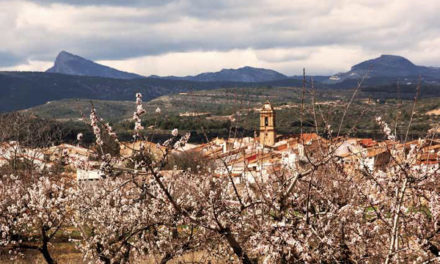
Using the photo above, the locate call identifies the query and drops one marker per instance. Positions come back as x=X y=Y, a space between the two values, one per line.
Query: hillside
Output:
x=215 y=102
x=20 y=90
x=67 y=63
x=218 y=110
x=75 y=109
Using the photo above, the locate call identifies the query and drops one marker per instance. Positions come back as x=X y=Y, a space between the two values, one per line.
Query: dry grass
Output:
x=63 y=252
x=66 y=253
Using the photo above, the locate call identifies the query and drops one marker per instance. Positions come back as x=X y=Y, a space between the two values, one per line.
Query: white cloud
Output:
x=31 y=65
x=289 y=61
x=186 y=63
x=191 y=36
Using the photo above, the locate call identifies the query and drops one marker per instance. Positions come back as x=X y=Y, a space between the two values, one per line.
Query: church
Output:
x=267 y=125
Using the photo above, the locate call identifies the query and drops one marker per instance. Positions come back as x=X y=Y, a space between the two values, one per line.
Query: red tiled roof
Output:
x=281 y=147
x=368 y=142
x=308 y=136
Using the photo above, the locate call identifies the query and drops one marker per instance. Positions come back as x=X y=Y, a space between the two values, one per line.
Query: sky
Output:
x=186 y=37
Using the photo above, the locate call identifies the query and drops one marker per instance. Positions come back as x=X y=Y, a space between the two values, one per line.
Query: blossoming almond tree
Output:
x=127 y=216
x=32 y=214
x=120 y=220
x=312 y=211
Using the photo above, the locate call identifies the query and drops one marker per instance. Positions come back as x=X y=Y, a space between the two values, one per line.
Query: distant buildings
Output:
x=245 y=159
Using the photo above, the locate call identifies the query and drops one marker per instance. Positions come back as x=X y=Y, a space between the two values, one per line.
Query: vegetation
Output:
x=308 y=209
x=220 y=112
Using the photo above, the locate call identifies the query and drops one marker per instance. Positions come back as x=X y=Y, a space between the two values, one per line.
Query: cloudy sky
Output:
x=181 y=37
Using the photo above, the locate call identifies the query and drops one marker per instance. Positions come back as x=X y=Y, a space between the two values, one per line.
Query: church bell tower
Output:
x=267 y=125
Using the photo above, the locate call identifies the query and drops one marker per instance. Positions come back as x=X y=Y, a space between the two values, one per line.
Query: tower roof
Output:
x=267 y=106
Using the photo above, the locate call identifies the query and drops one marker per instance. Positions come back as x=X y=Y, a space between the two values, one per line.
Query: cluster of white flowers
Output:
x=434 y=208
x=110 y=132
x=139 y=112
x=106 y=164
x=109 y=214
x=169 y=142
x=312 y=212
x=94 y=123
x=40 y=206
x=329 y=129
x=80 y=136
x=175 y=132
x=175 y=143
x=182 y=141
x=385 y=128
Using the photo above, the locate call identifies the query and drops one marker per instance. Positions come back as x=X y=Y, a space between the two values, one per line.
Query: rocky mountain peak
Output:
x=71 y=64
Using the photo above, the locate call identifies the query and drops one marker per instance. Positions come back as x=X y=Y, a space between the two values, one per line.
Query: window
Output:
x=266 y=121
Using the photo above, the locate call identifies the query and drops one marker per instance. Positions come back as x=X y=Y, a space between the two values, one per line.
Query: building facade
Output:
x=267 y=125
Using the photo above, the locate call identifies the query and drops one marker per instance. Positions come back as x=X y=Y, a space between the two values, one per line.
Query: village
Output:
x=242 y=158
x=219 y=132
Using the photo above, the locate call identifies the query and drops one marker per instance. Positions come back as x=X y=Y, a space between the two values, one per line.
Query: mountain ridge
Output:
x=385 y=66
x=389 y=66
x=243 y=74
x=71 y=64
x=19 y=90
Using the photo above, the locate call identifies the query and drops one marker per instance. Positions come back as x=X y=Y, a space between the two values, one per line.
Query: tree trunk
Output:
x=433 y=249
x=166 y=258
x=44 y=249
x=242 y=256
x=104 y=259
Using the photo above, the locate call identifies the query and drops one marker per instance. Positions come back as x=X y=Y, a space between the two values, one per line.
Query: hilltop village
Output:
x=242 y=158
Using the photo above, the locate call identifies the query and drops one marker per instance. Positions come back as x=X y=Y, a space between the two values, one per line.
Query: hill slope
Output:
x=67 y=63
x=20 y=90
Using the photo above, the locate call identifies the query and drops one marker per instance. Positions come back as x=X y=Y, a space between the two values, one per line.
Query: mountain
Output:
x=20 y=90
x=67 y=63
x=244 y=74
x=388 y=66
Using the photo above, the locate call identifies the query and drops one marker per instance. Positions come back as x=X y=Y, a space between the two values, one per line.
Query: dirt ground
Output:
x=62 y=252
x=65 y=253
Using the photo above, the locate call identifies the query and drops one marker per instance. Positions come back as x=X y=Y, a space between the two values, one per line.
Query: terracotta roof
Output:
x=309 y=136
x=367 y=142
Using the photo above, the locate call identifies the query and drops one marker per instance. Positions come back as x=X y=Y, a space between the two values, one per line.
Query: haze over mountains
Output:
x=75 y=77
